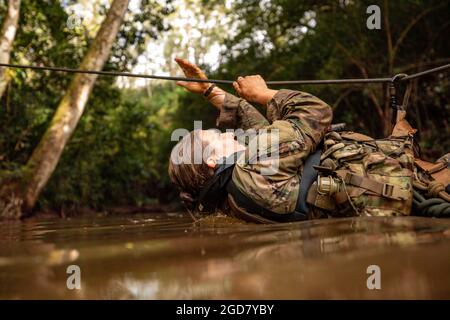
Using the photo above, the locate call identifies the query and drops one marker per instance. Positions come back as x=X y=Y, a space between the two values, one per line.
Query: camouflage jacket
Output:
x=296 y=123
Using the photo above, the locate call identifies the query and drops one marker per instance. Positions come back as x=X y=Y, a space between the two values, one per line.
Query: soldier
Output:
x=315 y=173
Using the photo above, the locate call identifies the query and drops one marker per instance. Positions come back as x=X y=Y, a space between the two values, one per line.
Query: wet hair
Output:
x=188 y=170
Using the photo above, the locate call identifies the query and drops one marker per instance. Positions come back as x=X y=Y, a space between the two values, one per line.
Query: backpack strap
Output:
x=309 y=175
x=383 y=189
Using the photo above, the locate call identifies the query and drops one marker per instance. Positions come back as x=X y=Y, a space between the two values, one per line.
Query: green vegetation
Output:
x=119 y=151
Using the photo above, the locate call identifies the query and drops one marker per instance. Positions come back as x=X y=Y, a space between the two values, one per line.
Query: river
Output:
x=167 y=256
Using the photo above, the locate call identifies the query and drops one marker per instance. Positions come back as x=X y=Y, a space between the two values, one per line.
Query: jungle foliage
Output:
x=119 y=152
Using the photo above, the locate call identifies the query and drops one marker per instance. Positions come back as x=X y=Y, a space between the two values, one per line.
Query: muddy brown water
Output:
x=166 y=256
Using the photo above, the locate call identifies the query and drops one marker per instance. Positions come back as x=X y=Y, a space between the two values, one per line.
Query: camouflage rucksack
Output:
x=362 y=176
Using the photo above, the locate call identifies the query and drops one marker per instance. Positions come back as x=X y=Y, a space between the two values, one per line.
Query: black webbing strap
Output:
x=308 y=177
x=301 y=211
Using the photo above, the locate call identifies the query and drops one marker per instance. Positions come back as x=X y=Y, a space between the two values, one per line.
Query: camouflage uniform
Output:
x=301 y=120
x=376 y=174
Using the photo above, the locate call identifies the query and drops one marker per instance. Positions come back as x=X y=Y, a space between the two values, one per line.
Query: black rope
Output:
x=148 y=76
x=114 y=73
x=426 y=72
x=433 y=207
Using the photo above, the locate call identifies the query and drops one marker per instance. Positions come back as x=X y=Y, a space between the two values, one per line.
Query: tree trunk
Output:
x=7 y=35
x=46 y=155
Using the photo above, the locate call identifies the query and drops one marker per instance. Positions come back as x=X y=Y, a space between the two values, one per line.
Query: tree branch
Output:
x=405 y=31
x=388 y=37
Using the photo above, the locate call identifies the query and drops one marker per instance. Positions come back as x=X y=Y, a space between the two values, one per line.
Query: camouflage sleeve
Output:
x=238 y=113
x=272 y=172
x=307 y=112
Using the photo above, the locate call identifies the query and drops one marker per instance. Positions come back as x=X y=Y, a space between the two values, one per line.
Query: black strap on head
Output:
x=214 y=192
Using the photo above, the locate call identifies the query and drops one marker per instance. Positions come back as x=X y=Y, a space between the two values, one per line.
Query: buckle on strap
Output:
x=388 y=191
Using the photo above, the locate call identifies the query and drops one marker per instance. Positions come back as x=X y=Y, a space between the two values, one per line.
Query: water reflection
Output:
x=169 y=257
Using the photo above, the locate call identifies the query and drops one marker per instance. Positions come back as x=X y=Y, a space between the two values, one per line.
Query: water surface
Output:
x=167 y=256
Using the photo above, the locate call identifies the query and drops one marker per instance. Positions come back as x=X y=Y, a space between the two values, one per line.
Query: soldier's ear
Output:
x=211 y=162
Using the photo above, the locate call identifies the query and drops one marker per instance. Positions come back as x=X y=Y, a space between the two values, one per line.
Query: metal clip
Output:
x=393 y=86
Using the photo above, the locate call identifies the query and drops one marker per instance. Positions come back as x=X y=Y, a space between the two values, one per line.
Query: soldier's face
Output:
x=222 y=145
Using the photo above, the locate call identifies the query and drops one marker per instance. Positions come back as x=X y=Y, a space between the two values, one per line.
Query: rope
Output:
x=437 y=190
x=148 y=76
x=434 y=207
x=426 y=72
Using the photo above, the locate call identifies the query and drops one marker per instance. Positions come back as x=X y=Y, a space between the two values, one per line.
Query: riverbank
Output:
x=108 y=211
